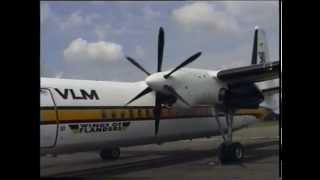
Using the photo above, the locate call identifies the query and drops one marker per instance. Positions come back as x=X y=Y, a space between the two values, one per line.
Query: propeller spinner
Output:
x=157 y=81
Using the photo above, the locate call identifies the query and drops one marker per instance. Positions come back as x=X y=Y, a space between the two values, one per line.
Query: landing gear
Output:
x=110 y=153
x=228 y=151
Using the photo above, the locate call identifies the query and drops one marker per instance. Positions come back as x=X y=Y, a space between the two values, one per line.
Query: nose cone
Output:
x=156 y=81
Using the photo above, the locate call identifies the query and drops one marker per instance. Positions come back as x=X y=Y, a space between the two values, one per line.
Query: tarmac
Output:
x=185 y=159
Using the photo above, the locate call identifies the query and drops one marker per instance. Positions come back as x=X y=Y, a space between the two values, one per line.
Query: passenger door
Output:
x=48 y=119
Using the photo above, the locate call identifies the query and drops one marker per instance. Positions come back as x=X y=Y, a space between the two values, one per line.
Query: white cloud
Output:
x=66 y=22
x=81 y=50
x=76 y=19
x=253 y=11
x=227 y=16
x=202 y=14
x=149 y=13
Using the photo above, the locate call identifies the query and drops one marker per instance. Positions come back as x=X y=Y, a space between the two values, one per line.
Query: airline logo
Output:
x=98 y=127
x=82 y=95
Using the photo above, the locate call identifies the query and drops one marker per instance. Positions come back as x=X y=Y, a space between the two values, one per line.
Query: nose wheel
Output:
x=110 y=153
x=228 y=151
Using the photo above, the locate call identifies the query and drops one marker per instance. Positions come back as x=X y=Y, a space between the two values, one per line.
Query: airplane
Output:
x=177 y=104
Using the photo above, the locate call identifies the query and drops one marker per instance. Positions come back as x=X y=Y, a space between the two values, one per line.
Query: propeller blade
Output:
x=160 y=48
x=137 y=65
x=186 y=62
x=174 y=92
x=157 y=113
x=142 y=93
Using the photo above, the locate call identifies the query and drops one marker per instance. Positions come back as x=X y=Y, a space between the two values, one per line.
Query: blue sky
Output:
x=88 y=40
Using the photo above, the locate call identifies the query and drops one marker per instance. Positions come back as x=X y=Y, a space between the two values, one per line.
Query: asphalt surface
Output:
x=186 y=159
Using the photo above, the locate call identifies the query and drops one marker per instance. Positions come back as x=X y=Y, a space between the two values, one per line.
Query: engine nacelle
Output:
x=210 y=92
x=201 y=87
x=198 y=87
x=242 y=96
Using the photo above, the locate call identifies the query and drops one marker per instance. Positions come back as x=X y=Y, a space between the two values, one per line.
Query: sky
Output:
x=89 y=40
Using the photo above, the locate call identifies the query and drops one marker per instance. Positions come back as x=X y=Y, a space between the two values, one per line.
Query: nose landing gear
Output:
x=110 y=153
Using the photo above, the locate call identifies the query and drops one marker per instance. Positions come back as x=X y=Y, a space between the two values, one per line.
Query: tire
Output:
x=230 y=153
x=115 y=153
x=237 y=152
x=110 y=154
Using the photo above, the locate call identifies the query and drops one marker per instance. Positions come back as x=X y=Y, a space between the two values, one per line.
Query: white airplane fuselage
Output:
x=83 y=115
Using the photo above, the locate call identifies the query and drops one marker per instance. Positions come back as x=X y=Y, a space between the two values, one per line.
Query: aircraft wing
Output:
x=250 y=74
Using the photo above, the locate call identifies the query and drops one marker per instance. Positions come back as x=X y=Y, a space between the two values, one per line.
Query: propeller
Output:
x=160 y=48
x=142 y=93
x=153 y=77
x=157 y=113
x=174 y=92
x=186 y=62
x=137 y=65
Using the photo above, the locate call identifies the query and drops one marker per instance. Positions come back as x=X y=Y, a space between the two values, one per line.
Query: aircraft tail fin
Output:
x=260 y=51
x=260 y=55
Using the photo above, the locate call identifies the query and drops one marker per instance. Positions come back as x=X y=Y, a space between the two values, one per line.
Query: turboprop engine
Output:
x=196 y=87
x=190 y=86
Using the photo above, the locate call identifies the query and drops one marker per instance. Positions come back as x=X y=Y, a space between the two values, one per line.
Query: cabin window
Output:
x=148 y=114
x=131 y=113
x=123 y=114
x=113 y=115
x=143 y=113
x=139 y=113
x=170 y=113
x=164 y=113
x=103 y=114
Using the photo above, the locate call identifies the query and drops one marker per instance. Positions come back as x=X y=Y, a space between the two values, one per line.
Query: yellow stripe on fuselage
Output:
x=48 y=115
x=118 y=114
x=114 y=114
x=80 y=114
